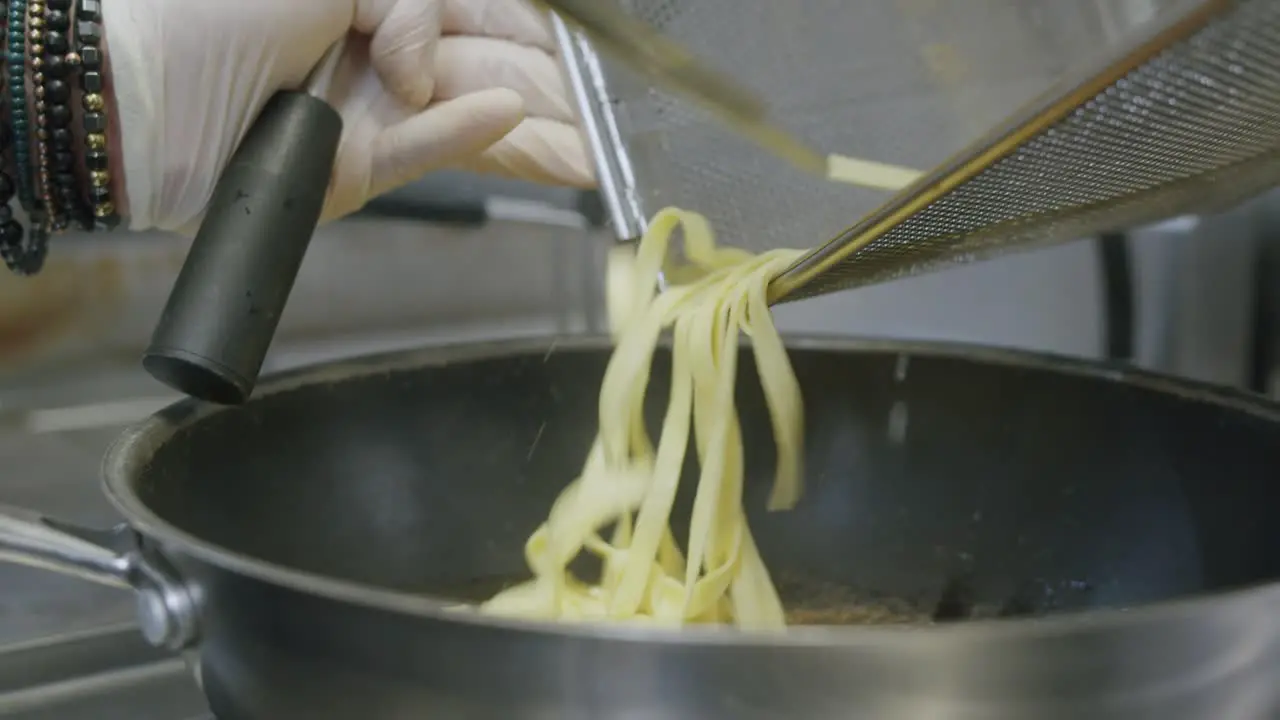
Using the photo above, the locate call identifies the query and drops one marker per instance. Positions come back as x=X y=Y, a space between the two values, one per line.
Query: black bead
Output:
x=56 y=20
x=63 y=161
x=89 y=33
x=6 y=188
x=99 y=192
x=95 y=122
x=10 y=233
x=91 y=10
x=91 y=82
x=90 y=57
x=107 y=223
x=31 y=258
x=55 y=43
x=57 y=91
x=60 y=116
x=95 y=160
x=61 y=138
x=63 y=5
x=54 y=67
x=6 y=213
x=64 y=179
x=6 y=134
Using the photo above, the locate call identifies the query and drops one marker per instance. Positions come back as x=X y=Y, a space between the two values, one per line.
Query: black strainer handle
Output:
x=224 y=308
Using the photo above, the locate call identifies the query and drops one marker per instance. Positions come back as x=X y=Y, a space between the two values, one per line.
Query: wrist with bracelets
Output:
x=53 y=128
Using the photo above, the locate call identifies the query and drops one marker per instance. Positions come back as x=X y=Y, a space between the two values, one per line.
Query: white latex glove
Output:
x=423 y=85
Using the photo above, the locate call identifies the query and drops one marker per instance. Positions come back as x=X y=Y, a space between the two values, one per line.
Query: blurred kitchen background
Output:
x=458 y=257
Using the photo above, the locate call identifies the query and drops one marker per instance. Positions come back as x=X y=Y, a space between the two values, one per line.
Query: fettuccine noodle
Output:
x=869 y=174
x=630 y=485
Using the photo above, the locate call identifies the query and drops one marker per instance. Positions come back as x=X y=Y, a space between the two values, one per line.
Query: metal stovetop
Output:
x=103 y=674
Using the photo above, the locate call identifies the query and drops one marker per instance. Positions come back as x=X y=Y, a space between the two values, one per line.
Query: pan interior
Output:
x=941 y=486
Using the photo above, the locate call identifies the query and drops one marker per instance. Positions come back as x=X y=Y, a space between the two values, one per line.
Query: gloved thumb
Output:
x=443 y=134
x=402 y=45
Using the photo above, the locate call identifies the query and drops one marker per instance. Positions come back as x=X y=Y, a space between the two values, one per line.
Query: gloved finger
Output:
x=515 y=20
x=444 y=134
x=403 y=36
x=539 y=150
x=467 y=64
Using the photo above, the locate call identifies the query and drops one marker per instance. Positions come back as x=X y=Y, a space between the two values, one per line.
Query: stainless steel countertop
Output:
x=55 y=473
x=106 y=674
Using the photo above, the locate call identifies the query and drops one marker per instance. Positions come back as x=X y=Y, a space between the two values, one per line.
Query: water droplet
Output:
x=898 y=423
x=900 y=369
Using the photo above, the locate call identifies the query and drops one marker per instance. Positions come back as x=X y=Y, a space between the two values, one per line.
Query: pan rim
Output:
x=128 y=456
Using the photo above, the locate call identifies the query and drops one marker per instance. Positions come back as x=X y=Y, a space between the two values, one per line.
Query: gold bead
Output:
x=95 y=141
x=100 y=178
x=36 y=35
x=93 y=102
x=37 y=22
x=104 y=209
x=40 y=91
x=37 y=49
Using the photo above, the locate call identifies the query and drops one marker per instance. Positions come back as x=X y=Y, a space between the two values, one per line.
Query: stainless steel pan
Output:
x=1045 y=538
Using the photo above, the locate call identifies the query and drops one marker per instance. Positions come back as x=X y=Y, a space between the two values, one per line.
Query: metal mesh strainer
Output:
x=1184 y=116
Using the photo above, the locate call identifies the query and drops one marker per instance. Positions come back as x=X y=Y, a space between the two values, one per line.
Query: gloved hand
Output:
x=423 y=85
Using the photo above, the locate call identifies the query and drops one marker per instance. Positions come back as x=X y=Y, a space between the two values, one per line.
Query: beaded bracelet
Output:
x=24 y=253
x=12 y=233
x=51 y=114
x=65 y=196
x=88 y=57
x=17 y=67
x=57 y=49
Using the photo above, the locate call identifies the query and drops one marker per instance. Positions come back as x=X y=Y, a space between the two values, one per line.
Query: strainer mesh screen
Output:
x=1194 y=125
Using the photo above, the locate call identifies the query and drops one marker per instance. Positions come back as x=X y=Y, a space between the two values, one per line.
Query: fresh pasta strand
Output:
x=630 y=484
x=869 y=174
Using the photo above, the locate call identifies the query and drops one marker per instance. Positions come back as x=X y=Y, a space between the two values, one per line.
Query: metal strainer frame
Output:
x=1186 y=118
